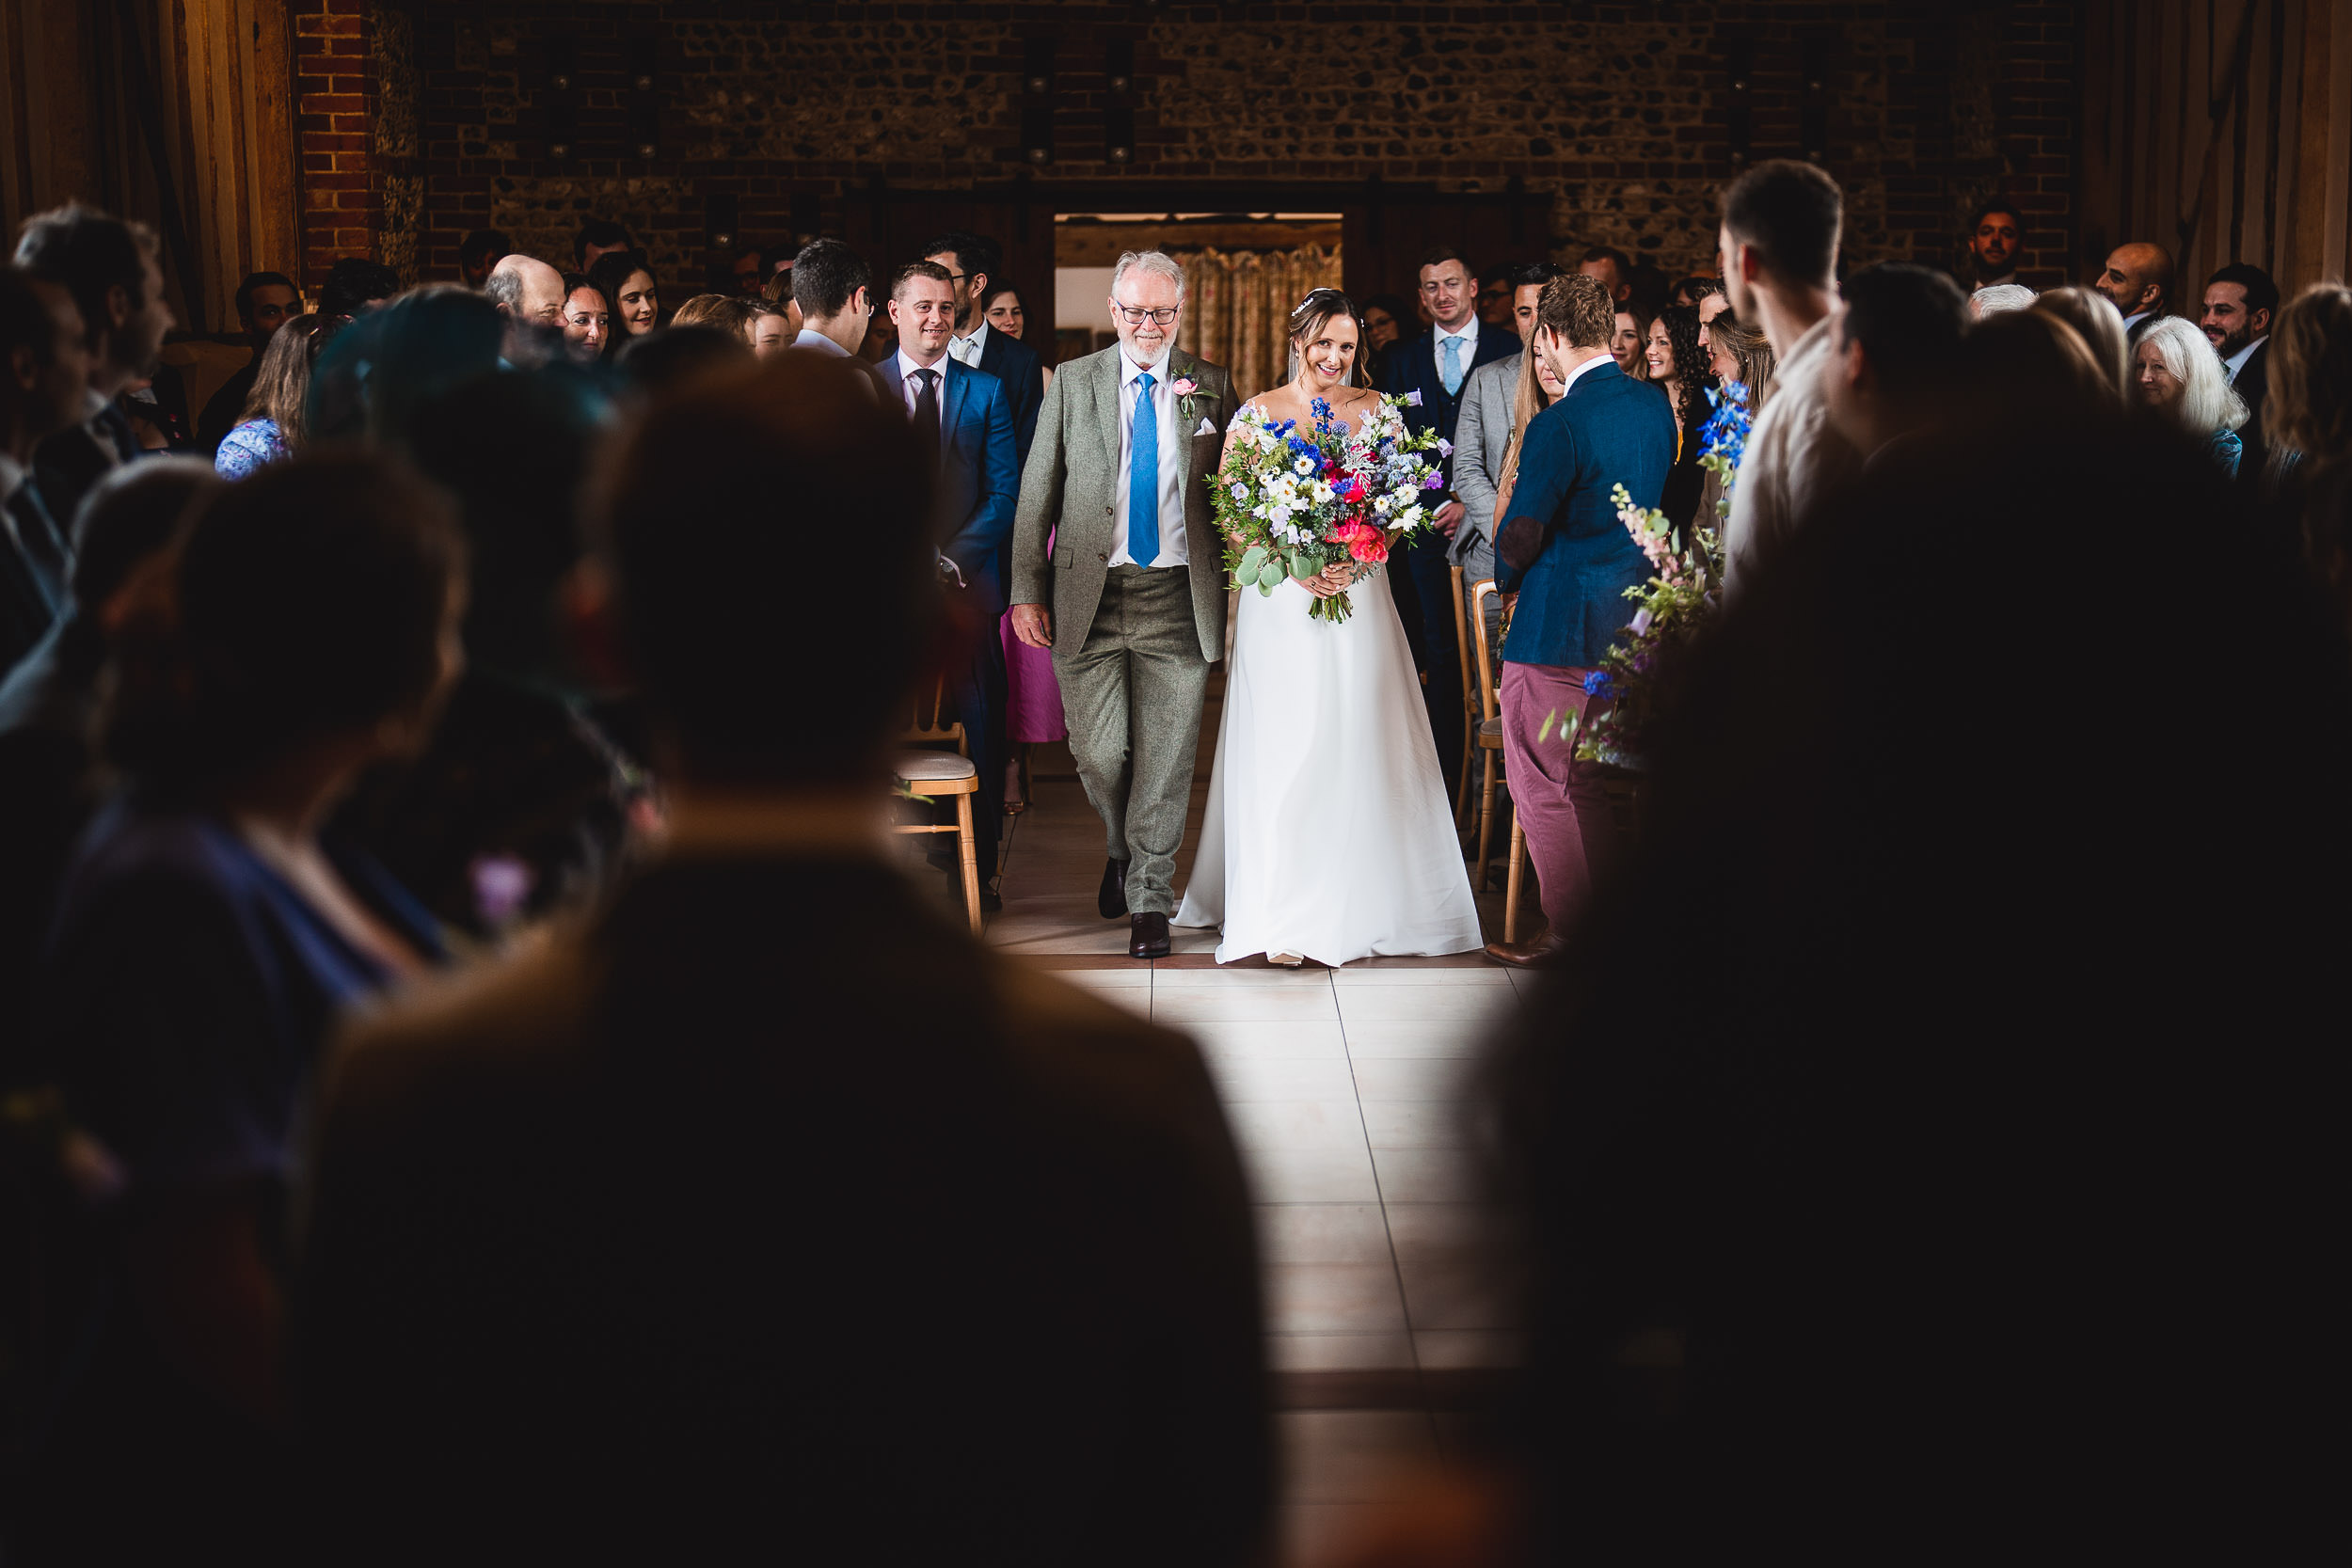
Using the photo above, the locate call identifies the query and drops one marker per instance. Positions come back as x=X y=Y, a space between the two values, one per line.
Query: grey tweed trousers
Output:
x=1131 y=694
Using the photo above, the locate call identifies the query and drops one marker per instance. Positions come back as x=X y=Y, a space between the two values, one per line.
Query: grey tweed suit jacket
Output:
x=1070 y=483
x=1480 y=437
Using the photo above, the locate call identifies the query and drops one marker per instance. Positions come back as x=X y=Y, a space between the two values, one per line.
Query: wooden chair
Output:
x=926 y=771
x=1469 y=706
x=1625 y=817
x=1489 y=729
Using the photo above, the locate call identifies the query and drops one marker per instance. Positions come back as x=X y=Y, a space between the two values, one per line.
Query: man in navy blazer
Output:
x=963 y=415
x=1437 y=365
x=972 y=266
x=1564 y=562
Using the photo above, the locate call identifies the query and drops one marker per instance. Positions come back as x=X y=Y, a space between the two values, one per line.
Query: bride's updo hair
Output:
x=1308 y=320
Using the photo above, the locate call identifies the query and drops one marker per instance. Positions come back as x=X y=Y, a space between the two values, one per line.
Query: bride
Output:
x=1328 y=834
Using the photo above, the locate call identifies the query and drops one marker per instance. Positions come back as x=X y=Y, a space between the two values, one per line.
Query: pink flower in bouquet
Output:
x=1364 y=542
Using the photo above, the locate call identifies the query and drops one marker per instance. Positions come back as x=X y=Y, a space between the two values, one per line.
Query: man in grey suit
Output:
x=1130 y=592
x=1481 y=439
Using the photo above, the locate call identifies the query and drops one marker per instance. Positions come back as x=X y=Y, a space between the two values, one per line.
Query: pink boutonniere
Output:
x=1184 y=386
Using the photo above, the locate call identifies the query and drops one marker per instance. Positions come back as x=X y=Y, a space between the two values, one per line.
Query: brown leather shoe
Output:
x=1149 y=937
x=1540 y=951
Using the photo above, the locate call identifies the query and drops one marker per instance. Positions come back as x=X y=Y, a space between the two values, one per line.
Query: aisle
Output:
x=1346 y=1090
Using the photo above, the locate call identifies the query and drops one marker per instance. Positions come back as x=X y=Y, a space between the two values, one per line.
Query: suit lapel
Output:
x=951 y=402
x=1103 y=385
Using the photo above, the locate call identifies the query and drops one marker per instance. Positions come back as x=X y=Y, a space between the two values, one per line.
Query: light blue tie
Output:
x=1452 y=368
x=1143 y=478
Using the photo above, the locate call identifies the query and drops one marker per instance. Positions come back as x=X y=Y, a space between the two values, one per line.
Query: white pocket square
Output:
x=1206 y=429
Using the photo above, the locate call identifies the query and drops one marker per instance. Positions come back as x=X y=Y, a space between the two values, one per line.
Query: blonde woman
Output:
x=2175 y=370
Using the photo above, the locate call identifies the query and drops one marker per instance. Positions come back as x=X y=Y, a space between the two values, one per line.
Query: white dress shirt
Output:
x=1793 y=457
x=2237 y=361
x=1163 y=408
x=911 y=389
x=1577 y=374
x=811 y=337
x=966 y=351
x=2134 y=320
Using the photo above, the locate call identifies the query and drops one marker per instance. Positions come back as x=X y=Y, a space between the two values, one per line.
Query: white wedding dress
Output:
x=1329 y=832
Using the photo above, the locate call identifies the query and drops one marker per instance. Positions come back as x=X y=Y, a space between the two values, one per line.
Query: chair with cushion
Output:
x=926 y=769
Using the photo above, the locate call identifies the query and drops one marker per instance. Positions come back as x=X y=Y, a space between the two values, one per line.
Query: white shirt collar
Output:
x=2237 y=361
x=1577 y=374
x=908 y=367
x=811 y=337
x=972 y=343
x=2133 y=319
x=1469 y=334
x=92 y=405
x=1129 y=370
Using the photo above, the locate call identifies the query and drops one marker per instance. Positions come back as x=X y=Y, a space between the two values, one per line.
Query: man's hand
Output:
x=1510 y=602
x=1034 y=625
x=1448 y=517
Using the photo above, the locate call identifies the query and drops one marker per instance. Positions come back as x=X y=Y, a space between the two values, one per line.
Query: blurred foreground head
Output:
x=755 y=519
x=1929 y=1137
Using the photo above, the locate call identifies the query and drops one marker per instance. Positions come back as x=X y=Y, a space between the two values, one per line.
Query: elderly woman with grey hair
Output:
x=1999 y=297
x=2175 y=369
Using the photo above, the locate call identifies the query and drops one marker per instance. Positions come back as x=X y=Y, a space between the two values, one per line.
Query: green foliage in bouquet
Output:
x=1669 y=611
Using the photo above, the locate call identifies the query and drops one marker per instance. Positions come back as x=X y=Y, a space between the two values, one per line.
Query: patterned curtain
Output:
x=1238 y=302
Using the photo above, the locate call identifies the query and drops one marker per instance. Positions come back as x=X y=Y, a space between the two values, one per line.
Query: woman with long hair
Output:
x=1743 y=361
x=1630 y=343
x=2177 y=372
x=628 y=284
x=587 y=319
x=275 y=421
x=1004 y=312
x=1678 y=368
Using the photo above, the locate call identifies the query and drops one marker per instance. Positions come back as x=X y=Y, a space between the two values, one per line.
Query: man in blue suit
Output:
x=1564 y=562
x=963 y=415
x=1437 y=365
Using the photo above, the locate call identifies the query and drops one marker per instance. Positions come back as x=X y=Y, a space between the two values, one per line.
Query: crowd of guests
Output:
x=462 y=655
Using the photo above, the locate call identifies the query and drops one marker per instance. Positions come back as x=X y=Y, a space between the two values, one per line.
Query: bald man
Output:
x=2137 y=281
x=530 y=294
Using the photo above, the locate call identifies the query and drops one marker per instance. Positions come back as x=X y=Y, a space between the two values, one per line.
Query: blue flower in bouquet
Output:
x=1596 y=683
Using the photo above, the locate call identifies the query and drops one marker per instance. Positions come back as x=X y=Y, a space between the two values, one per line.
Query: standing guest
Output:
x=727 y=312
x=1097 y=1397
x=530 y=294
x=2309 y=477
x=832 y=286
x=778 y=292
x=354 y=286
x=206 y=938
x=2095 y=323
x=1710 y=307
x=1438 y=366
x=750 y=272
x=277 y=412
x=1679 y=368
x=1628 y=343
x=46 y=358
x=587 y=321
x=1565 y=563
x=1385 y=320
x=973 y=263
x=651 y=366
x=369 y=383
x=1780 y=228
x=1994 y=237
x=1995 y=298
x=108 y=265
x=2137 y=281
x=766 y=328
x=1896 y=356
x=265 y=302
x=1689 y=292
x=1650 y=291
x=1741 y=359
x=963 y=419
x=1609 y=266
x=2240 y=301
x=49 y=706
x=481 y=250
x=1496 y=406
x=598 y=238
x=2174 y=367
x=2034 y=370
x=1033 y=712
x=1494 y=296
x=627 y=279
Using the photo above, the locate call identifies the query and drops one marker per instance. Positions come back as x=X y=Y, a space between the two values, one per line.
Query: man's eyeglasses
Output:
x=1133 y=315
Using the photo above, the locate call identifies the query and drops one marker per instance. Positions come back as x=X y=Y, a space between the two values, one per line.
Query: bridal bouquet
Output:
x=1292 y=503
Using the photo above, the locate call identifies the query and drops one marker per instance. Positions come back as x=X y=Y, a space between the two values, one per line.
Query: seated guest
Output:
x=1566 y=561
x=276 y=410
x=598 y=238
x=305 y=626
x=627 y=279
x=1894 y=354
x=548 y=1300
x=109 y=266
x=265 y=302
x=481 y=250
x=46 y=373
x=49 y=706
x=587 y=319
x=2177 y=371
x=2100 y=328
x=1678 y=368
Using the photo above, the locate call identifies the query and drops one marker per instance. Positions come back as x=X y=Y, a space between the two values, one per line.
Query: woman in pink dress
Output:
x=1033 y=696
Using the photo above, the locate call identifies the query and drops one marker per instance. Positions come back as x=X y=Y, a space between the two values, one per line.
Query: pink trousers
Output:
x=1560 y=801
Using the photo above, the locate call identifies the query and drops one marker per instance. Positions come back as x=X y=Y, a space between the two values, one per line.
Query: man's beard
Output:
x=1986 y=268
x=2231 y=343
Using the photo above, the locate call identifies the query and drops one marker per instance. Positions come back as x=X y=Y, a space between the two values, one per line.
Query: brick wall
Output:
x=1621 y=114
x=335 y=102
